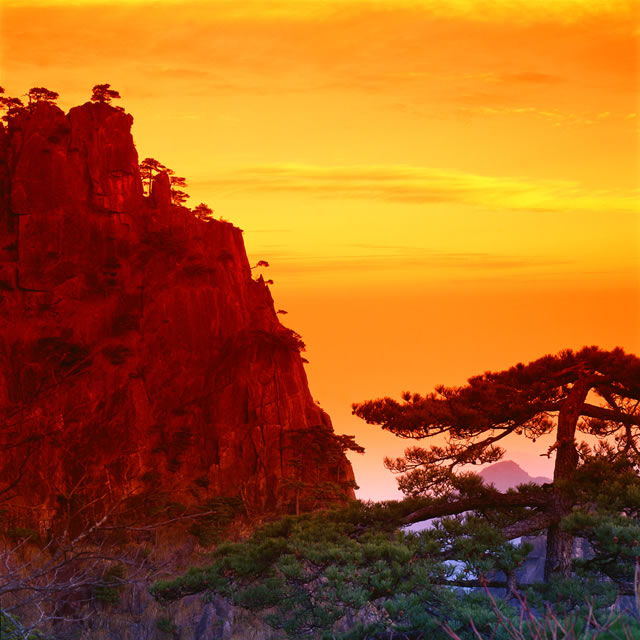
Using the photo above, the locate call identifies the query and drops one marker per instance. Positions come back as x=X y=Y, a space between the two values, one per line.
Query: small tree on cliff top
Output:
x=178 y=183
x=10 y=106
x=14 y=106
x=149 y=167
x=102 y=93
x=548 y=394
x=203 y=212
x=41 y=94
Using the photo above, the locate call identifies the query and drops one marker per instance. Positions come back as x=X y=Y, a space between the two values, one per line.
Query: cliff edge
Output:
x=138 y=355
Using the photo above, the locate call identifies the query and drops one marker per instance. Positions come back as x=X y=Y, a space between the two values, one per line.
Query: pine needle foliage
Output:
x=350 y=573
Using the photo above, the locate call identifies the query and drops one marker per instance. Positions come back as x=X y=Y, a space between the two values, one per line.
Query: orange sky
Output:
x=440 y=187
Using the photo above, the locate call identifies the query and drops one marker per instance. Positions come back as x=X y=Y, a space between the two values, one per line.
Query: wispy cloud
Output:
x=519 y=77
x=378 y=45
x=360 y=259
x=422 y=185
x=490 y=105
x=428 y=260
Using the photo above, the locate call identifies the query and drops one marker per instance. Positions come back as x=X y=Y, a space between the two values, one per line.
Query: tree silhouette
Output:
x=41 y=94
x=178 y=196
x=550 y=394
x=11 y=106
x=149 y=167
x=14 y=106
x=203 y=211
x=103 y=93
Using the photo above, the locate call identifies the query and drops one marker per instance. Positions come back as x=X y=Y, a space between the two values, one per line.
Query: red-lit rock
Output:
x=137 y=353
x=161 y=191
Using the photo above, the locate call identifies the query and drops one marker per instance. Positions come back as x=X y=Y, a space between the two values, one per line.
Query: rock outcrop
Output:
x=138 y=354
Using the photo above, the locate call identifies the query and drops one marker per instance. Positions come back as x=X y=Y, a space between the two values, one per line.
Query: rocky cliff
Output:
x=138 y=355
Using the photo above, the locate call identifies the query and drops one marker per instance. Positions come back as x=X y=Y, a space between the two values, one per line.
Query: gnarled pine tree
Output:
x=593 y=391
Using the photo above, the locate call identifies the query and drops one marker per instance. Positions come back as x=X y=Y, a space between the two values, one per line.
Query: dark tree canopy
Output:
x=149 y=167
x=13 y=107
x=41 y=94
x=10 y=106
x=203 y=211
x=520 y=400
x=178 y=183
x=179 y=197
x=592 y=391
x=103 y=93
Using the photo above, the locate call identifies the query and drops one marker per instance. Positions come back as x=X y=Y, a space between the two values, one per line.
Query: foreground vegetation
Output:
x=352 y=574
x=356 y=573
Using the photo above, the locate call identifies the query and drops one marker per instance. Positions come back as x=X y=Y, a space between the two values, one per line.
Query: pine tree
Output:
x=178 y=196
x=11 y=106
x=41 y=94
x=550 y=394
x=150 y=167
x=203 y=211
x=103 y=93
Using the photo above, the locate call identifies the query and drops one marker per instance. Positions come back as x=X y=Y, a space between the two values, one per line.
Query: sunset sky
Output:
x=440 y=187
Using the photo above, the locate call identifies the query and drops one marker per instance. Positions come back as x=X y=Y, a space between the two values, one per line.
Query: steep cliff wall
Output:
x=137 y=353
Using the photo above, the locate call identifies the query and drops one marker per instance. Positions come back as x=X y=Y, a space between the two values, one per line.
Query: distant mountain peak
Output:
x=508 y=474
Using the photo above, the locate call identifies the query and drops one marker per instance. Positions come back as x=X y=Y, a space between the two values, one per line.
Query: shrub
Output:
x=110 y=587
x=166 y=625
x=350 y=573
x=12 y=629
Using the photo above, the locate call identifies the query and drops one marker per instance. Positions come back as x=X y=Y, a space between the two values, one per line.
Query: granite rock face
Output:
x=137 y=352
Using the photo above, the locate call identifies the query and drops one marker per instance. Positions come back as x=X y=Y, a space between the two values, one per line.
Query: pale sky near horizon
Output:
x=440 y=187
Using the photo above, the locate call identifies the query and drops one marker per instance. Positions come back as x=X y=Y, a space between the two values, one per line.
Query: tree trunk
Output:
x=559 y=543
x=559 y=553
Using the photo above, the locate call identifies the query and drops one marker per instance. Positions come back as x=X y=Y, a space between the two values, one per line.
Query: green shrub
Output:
x=12 y=629
x=310 y=571
x=166 y=625
x=110 y=587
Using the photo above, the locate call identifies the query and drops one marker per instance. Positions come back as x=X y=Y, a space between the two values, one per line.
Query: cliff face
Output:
x=137 y=353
